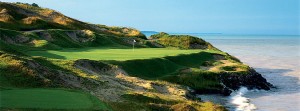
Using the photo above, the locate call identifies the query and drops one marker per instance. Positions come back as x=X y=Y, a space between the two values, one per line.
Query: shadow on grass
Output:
x=45 y=53
x=155 y=68
x=91 y=48
x=49 y=64
x=50 y=55
x=147 y=68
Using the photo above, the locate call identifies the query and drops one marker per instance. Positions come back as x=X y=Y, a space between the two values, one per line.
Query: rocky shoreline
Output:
x=233 y=81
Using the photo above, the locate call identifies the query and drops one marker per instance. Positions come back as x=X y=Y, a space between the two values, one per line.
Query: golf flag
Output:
x=133 y=45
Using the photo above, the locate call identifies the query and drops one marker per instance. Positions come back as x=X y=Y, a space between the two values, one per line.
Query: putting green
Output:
x=111 y=54
x=48 y=99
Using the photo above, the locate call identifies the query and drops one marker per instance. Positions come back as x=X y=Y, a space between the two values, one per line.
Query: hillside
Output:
x=181 y=41
x=60 y=58
x=25 y=17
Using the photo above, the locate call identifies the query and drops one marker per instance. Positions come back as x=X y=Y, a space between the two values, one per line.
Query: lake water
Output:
x=277 y=58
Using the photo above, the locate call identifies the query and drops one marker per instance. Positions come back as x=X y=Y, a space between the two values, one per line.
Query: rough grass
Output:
x=50 y=19
x=180 y=41
x=202 y=81
x=13 y=72
x=50 y=99
x=64 y=65
x=156 y=103
x=60 y=39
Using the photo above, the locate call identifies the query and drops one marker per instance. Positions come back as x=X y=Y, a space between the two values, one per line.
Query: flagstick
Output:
x=133 y=45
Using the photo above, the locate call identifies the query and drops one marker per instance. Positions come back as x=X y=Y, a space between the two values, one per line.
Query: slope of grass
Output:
x=192 y=60
x=50 y=99
x=202 y=81
x=148 y=68
x=159 y=67
x=170 y=68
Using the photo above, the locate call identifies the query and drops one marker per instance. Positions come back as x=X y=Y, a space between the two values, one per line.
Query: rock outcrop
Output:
x=251 y=80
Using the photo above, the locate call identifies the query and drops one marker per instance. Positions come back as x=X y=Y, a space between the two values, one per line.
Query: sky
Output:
x=267 y=17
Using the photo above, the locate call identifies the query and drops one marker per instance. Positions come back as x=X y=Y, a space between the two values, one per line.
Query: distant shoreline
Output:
x=148 y=33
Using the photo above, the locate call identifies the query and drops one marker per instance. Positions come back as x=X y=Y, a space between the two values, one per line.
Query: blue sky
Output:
x=275 y=17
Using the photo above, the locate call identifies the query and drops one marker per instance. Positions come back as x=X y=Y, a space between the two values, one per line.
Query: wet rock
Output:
x=251 y=80
x=226 y=91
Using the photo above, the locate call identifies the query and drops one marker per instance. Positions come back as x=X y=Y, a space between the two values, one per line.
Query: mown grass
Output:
x=100 y=53
x=50 y=99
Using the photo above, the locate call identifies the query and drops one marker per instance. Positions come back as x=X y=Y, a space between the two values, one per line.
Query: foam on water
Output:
x=242 y=103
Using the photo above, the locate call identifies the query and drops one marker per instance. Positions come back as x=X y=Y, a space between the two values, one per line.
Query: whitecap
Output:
x=242 y=103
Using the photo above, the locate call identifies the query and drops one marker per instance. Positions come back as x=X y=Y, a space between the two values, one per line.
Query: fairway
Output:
x=111 y=54
x=49 y=99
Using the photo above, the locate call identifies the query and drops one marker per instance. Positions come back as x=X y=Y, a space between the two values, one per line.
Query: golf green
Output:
x=111 y=54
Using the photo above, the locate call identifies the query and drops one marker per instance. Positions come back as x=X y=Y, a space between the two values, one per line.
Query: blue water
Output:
x=277 y=58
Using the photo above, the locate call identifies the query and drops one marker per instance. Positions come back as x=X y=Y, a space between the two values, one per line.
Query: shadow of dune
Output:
x=46 y=54
x=91 y=49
